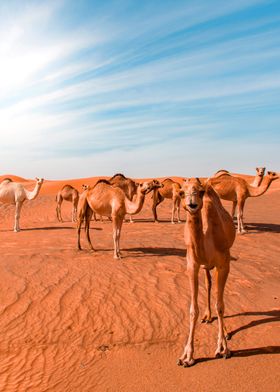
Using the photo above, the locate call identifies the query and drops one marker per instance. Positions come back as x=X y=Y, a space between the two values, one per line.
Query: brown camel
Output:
x=209 y=235
x=111 y=201
x=14 y=193
x=126 y=184
x=170 y=190
x=237 y=190
x=68 y=193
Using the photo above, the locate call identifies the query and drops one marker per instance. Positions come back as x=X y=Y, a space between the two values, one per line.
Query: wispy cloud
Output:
x=123 y=82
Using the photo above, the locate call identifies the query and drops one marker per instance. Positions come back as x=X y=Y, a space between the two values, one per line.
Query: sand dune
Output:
x=81 y=321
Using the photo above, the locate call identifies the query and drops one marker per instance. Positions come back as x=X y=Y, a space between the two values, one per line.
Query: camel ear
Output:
x=36 y=178
x=269 y=173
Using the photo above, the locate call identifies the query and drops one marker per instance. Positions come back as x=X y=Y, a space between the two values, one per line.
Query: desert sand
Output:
x=81 y=321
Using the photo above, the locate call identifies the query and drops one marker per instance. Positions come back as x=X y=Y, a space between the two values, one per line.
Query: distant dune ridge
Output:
x=81 y=321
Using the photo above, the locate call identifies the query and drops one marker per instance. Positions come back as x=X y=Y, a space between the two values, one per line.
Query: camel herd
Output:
x=209 y=228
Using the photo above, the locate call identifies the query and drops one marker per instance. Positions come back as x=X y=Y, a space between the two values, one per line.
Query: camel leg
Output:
x=117 y=224
x=240 y=225
x=58 y=210
x=233 y=209
x=74 y=210
x=79 y=225
x=173 y=210
x=73 y=214
x=157 y=199
x=17 y=216
x=208 y=284
x=89 y=213
x=187 y=358
x=222 y=274
x=178 y=209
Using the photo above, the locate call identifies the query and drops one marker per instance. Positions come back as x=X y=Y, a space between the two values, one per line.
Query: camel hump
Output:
x=6 y=180
x=67 y=186
x=102 y=181
x=118 y=175
x=221 y=173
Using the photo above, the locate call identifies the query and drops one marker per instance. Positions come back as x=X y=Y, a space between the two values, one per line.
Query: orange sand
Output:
x=82 y=321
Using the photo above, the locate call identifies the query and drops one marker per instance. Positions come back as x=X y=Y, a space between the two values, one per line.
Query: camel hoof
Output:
x=206 y=320
x=218 y=355
x=186 y=363
x=228 y=336
x=227 y=354
x=16 y=230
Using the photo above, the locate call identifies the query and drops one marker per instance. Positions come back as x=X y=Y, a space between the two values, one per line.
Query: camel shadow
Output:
x=274 y=315
x=157 y=251
x=247 y=352
x=260 y=227
x=56 y=228
x=263 y=227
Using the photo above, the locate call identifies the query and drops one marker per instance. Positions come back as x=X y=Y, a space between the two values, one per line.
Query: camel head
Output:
x=260 y=171
x=85 y=187
x=272 y=176
x=192 y=193
x=39 y=180
x=148 y=186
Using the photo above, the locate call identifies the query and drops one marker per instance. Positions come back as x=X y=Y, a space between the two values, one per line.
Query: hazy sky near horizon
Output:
x=147 y=88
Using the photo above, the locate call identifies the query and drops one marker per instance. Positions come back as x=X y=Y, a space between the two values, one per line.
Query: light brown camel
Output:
x=170 y=190
x=68 y=193
x=237 y=190
x=209 y=235
x=111 y=201
x=126 y=184
x=14 y=193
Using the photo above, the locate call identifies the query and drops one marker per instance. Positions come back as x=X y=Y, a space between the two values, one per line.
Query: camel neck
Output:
x=260 y=190
x=194 y=235
x=133 y=207
x=33 y=194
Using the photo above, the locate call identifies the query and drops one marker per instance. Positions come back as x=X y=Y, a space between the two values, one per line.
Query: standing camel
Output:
x=170 y=190
x=14 y=193
x=126 y=184
x=209 y=235
x=68 y=193
x=237 y=190
x=111 y=201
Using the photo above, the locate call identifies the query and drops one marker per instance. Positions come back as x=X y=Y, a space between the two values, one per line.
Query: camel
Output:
x=14 y=193
x=237 y=190
x=126 y=184
x=68 y=193
x=111 y=201
x=170 y=190
x=209 y=235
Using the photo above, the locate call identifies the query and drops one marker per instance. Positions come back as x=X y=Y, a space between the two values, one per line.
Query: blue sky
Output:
x=150 y=88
